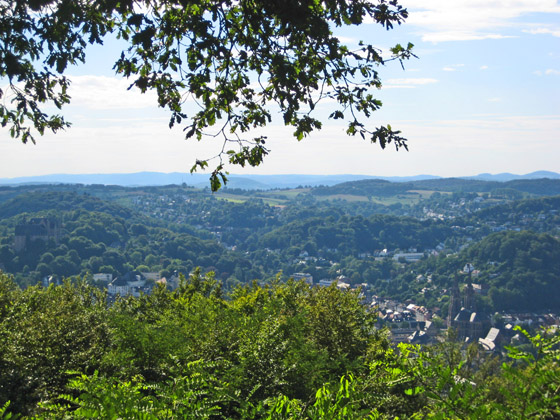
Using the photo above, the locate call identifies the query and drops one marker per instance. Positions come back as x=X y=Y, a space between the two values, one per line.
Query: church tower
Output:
x=454 y=303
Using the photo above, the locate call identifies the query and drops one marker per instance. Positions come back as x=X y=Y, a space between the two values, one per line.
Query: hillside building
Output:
x=462 y=314
x=38 y=228
x=308 y=278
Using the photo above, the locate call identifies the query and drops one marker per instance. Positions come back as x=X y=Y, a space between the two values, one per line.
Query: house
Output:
x=308 y=278
x=105 y=277
x=468 y=268
x=383 y=253
x=129 y=284
x=153 y=276
x=343 y=279
x=479 y=289
x=491 y=340
x=423 y=335
x=409 y=256
x=118 y=289
x=342 y=285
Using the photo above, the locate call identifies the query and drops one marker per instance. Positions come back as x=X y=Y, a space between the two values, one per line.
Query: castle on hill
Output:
x=37 y=228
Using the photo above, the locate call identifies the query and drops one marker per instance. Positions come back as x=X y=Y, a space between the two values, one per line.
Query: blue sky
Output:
x=484 y=96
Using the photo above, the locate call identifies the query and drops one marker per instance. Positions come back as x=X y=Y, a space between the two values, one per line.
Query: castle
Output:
x=38 y=228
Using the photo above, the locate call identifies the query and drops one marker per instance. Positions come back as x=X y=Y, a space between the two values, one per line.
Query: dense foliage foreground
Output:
x=282 y=351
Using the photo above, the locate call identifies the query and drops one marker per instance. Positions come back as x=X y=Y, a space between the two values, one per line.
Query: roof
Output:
x=473 y=317
x=487 y=344
x=464 y=315
x=492 y=334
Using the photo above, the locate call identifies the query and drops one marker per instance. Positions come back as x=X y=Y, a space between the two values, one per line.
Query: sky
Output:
x=482 y=97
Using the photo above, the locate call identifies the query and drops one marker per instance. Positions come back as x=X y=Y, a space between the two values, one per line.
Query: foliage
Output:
x=45 y=333
x=5 y=414
x=382 y=188
x=357 y=234
x=262 y=342
x=330 y=402
x=525 y=269
x=283 y=351
x=192 y=393
x=238 y=60
x=532 y=386
x=100 y=236
x=39 y=40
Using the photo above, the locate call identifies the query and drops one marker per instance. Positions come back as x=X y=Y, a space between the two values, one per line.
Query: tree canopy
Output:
x=240 y=61
x=281 y=351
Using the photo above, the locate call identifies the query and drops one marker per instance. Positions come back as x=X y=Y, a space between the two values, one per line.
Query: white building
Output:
x=409 y=256
x=106 y=277
x=308 y=278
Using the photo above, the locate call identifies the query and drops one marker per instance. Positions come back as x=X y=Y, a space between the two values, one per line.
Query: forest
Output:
x=243 y=236
x=281 y=351
x=236 y=338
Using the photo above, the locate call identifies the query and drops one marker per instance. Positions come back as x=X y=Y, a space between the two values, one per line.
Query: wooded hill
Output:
x=223 y=346
x=240 y=238
x=519 y=271
x=383 y=188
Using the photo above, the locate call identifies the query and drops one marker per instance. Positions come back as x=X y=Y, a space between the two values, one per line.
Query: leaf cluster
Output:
x=237 y=60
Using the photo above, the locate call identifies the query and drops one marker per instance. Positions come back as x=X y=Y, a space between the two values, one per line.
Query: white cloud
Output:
x=483 y=67
x=453 y=67
x=103 y=93
x=446 y=36
x=548 y=72
x=539 y=31
x=398 y=87
x=347 y=40
x=461 y=20
x=408 y=82
x=494 y=99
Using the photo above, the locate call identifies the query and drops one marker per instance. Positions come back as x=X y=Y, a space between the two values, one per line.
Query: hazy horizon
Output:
x=470 y=104
x=245 y=181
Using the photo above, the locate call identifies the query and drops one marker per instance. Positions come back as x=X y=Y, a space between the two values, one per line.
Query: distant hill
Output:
x=518 y=209
x=366 y=187
x=247 y=182
x=377 y=187
x=259 y=182
x=506 y=176
x=456 y=185
x=522 y=269
x=33 y=202
x=128 y=180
